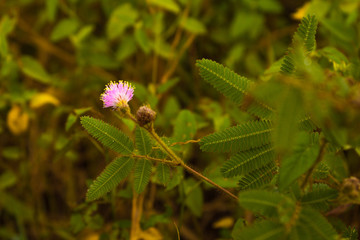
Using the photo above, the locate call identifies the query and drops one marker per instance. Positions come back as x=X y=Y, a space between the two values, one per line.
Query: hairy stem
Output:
x=317 y=161
x=155 y=159
x=181 y=162
x=174 y=157
x=199 y=175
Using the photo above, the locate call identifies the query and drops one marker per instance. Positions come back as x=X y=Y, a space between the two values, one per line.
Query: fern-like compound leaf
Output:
x=116 y=171
x=288 y=64
x=322 y=171
x=142 y=174
x=306 y=124
x=319 y=197
x=305 y=34
x=312 y=225
x=108 y=135
x=252 y=134
x=350 y=233
x=223 y=79
x=260 y=110
x=267 y=230
x=163 y=173
x=143 y=141
x=231 y=85
x=307 y=30
x=258 y=177
x=305 y=152
x=266 y=203
x=247 y=161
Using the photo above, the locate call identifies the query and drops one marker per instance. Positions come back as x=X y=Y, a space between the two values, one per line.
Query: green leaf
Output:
x=322 y=171
x=116 y=171
x=70 y=121
x=157 y=218
x=286 y=121
x=3 y=46
x=121 y=18
x=169 y=5
x=126 y=48
x=77 y=223
x=307 y=30
x=247 y=161
x=81 y=35
x=16 y=207
x=142 y=174
x=6 y=26
x=334 y=55
x=176 y=178
x=223 y=79
x=166 y=86
x=350 y=234
x=193 y=25
x=319 y=197
x=303 y=156
x=108 y=135
x=7 y=179
x=81 y=111
x=143 y=40
x=185 y=126
x=194 y=197
x=258 y=178
x=34 y=69
x=340 y=30
x=163 y=173
x=143 y=141
x=64 y=28
x=164 y=49
x=51 y=8
x=252 y=134
x=231 y=85
x=265 y=202
x=265 y=230
x=305 y=35
x=312 y=225
x=306 y=124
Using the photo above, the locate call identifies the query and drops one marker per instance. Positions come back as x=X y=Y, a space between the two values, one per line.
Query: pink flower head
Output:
x=117 y=95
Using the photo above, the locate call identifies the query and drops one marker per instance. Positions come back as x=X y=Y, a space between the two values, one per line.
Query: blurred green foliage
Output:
x=56 y=56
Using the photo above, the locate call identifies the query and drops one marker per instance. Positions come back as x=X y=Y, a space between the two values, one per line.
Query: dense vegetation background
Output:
x=56 y=56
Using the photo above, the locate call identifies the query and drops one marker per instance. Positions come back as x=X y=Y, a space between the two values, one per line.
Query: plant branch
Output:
x=176 y=60
x=317 y=161
x=199 y=175
x=155 y=159
x=181 y=162
x=174 y=157
x=182 y=143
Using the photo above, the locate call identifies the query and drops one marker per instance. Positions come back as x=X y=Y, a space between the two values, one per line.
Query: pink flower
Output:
x=117 y=95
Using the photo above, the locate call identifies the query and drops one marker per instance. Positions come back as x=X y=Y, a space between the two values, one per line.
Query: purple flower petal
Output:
x=117 y=95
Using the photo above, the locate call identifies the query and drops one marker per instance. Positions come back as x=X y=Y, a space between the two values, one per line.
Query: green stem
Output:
x=155 y=159
x=173 y=156
x=170 y=152
x=317 y=161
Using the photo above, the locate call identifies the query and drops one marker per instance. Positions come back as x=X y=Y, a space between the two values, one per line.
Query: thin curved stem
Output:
x=199 y=175
x=155 y=159
x=187 y=168
x=317 y=161
x=176 y=159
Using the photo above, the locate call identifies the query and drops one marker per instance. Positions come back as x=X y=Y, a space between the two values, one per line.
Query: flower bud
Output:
x=351 y=188
x=145 y=115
